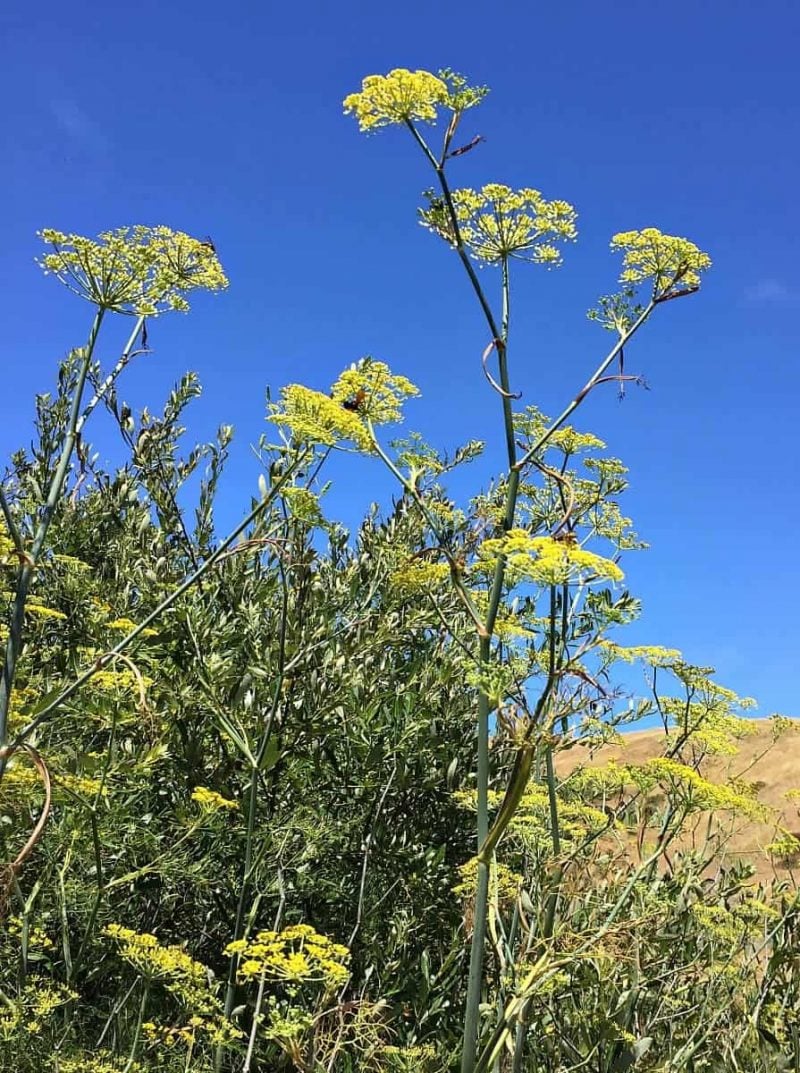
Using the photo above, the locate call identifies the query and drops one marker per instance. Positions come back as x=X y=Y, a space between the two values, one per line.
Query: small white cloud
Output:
x=76 y=124
x=772 y=292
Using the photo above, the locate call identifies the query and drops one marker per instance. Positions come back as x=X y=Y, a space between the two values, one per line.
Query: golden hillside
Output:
x=773 y=766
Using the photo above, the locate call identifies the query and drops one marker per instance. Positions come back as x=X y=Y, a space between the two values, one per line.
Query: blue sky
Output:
x=226 y=120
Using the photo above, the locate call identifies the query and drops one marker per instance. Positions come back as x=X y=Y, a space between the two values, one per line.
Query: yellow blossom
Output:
x=404 y=96
x=398 y=97
x=315 y=417
x=673 y=264
x=696 y=792
x=98 y=1062
x=303 y=504
x=32 y=607
x=786 y=848
x=211 y=801
x=126 y=625
x=654 y=655
x=113 y=681
x=496 y=223
x=375 y=390
x=73 y=562
x=418 y=575
x=298 y=954
x=20 y=778
x=547 y=560
x=504 y=883
x=187 y=980
x=37 y=1001
x=137 y=270
x=367 y=390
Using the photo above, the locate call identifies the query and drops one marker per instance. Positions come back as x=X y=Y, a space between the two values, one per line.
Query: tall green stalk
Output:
x=500 y=341
x=252 y=812
x=488 y=839
x=29 y=562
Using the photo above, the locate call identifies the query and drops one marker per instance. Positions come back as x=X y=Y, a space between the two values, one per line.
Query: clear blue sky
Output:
x=225 y=119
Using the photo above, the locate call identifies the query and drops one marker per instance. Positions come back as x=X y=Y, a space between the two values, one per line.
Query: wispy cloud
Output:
x=76 y=124
x=772 y=292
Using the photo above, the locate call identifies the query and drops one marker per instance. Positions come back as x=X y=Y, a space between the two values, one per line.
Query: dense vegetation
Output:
x=292 y=799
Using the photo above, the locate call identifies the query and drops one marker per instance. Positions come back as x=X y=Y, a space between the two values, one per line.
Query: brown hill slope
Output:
x=773 y=766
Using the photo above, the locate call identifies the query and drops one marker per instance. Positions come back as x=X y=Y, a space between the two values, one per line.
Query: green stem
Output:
x=98 y=897
x=502 y=361
x=458 y=241
x=13 y=532
x=550 y=776
x=137 y=1034
x=122 y=361
x=555 y=834
x=28 y=565
x=587 y=387
x=500 y=338
x=252 y=811
x=251 y=1043
x=475 y=981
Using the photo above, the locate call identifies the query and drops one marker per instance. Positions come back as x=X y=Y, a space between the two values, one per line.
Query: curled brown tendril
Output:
x=10 y=871
x=496 y=344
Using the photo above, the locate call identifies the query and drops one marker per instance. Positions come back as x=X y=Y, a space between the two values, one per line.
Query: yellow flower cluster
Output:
x=654 y=655
x=298 y=954
x=7 y=553
x=697 y=793
x=117 y=681
x=570 y=441
x=504 y=883
x=367 y=390
x=507 y=624
x=211 y=801
x=531 y=822
x=314 y=417
x=36 y=1003
x=610 y=523
x=403 y=96
x=375 y=390
x=23 y=698
x=186 y=979
x=100 y=1062
x=672 y=263
x=71 y=561
x=415 y=1059
x=126 y=625
x=786 y=848
x=719 y=923
x=81 y=785
x=35 y=607
x=154 y=961
x=416 y=576
x=137 y=270
x=497 y=222
x=216 y=1031
x=399 y=97
x=19 y=778
x=37 y=939
x=303 y=505
x=546 y=560
x=714 y=727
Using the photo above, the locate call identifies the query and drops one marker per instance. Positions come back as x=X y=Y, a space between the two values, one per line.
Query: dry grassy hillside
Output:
x=773 y=766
